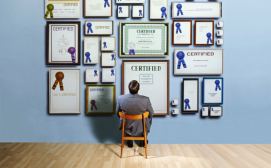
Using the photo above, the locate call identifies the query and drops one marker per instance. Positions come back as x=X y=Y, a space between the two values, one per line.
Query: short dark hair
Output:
x=134 y=87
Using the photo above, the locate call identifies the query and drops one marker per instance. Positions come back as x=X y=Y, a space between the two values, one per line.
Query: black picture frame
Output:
x=184 y=111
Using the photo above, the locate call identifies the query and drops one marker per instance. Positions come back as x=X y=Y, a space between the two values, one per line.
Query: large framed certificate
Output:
x=196 y=10
x=64 y=91
x=198 y=62
x=153 y=76
x=190 y=95
x=97 y=8
x=62 y=9
x=213 y=89
x=143 y=39
x=100 y=99
x=63 y=43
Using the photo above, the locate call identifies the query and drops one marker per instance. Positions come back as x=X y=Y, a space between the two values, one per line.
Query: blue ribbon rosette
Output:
x=180 y=55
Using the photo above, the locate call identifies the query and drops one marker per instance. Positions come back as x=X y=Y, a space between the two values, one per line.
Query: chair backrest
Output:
x=134 y=116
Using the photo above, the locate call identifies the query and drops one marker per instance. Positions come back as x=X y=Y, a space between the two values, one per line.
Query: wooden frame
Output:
x=149 y=54
x=97 y=16
x=184 y=109
x=195 y=33
x=49 y=44
x=159 y=113
x=97 y=112
x=173 y=32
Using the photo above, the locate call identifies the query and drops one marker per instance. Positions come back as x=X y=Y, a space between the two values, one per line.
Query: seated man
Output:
x=134 y=103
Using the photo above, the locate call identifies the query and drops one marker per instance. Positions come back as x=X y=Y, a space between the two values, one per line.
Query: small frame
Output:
x=130 y=1
x=216 y=112
x=108 y=59
x=213 y=90
x=182 y=32
x=108 y=75
x=108 y=44
x=97 y=8
x=219 y=42
x=59 y=9
x=219 y=33
x=138 y=11
x=64 y=91
x=100 y=99
x=220 y=24
x=158 y=9
x=92 y=75
x=205 y=112
x=91 y=50
x=63 y=43
x=99 y=28
x=190 y=95
x=204 y=33
x=123 y=11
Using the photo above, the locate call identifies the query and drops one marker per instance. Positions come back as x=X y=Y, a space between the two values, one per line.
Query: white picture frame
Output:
x=219 y=41
x=158 y=9
x=98 y=28
x=91 y=53
x=108 y=75
x=92 y=75
x=108 y=43
x=97 y=8
x=216 y=111
x=62 y=9
x=205 y=112
x=190 y=95
x=182 y=32
x=138 y=11
x=64 y=91
x=123 y=11
x=130 y=1
x=108 y=59
x=204 y=33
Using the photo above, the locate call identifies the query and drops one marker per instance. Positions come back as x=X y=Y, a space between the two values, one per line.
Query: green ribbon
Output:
x=50 y=8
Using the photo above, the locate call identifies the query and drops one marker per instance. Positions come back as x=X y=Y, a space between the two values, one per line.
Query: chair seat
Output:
x=133 y=138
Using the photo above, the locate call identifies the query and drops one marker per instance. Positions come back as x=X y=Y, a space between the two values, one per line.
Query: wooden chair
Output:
x=142 y=117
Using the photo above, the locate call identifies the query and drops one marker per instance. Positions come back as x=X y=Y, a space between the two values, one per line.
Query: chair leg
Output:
x=122 y=146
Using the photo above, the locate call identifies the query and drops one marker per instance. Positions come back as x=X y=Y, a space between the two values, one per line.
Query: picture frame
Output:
x=153 y=76
x=216 y=111
x=130 y=1
x=204 y=33
x=108 y=59
x=213 y=91
x=198 y=62
x=100 y=100
x=64 y=91
x=205 y=112
x=190 y=95
x=59 y=9
x=63 y=43
x=108 y=44
x=131 y=43
x=138 y=11
x=91 y=49
x=192 y=10
x=92 y=75
x=99 y=28
x=158 y=9
x=123 y=11
x=182 y=32
x=108 y=75
x=97 y=8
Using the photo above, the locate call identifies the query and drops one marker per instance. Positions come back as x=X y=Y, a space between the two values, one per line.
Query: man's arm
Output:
x=150 y=110
x=118 y=108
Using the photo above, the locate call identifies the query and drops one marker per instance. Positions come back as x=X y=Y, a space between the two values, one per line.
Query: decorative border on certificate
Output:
x=145 y=39
x=198 y=62
x=97 y=8
x=100 y=99
x=150 y=82
x=64 y=91
x=63 y=43
x=212 y=91
x=182 y=32
x=190 y=96
x=204 y=33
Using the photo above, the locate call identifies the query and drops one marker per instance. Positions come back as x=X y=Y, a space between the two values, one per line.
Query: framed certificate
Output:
x=92 y=75
x=108 y=59
x=196 y=10
x=100 y=99
x=97 y=8
x=108 y=75
x=205 y=112
x=130 y=1
x=62 y=9
x=108 y=44
x=204 y=33
x=198 y=62
x=63 y=43
x=64 y=91
x=143 y=39
x=158 y=9
x=99 y=28
x=190 y=95
x=216 y=112
x=138 y=11
x=213 y=91
x=153 y=76
x=123 y=11
x=182 y=32
x=91 y=50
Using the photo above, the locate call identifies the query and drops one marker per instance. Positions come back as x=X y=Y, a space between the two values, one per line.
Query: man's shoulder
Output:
x=121 y=97
x=143 y=97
